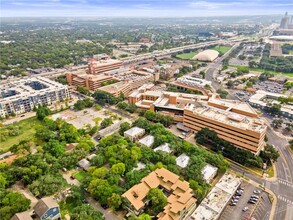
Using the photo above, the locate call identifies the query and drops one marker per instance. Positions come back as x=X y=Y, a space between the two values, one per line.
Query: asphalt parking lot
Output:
x=269 y=86
x=260 y=210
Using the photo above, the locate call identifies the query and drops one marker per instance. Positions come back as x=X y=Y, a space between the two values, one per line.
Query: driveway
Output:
x=106 y=212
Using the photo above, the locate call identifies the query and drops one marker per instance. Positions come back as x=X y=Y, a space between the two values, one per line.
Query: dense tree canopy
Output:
x=157 y=201
x=47 y=185
x=12 y=203
x=86 y=211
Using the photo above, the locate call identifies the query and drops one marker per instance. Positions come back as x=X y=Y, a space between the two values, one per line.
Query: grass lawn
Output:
x=186 y=56
x=27 y=131
x=269 y=71
x=270 y=171
x=66 y=208
x=291 y=52
x=221 y=49
x=97 y=120
x=80 y=175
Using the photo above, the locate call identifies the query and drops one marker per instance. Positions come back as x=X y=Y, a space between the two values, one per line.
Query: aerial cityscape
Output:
x=146 y=110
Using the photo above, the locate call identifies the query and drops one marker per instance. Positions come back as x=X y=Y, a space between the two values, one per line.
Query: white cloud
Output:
x=212 y=5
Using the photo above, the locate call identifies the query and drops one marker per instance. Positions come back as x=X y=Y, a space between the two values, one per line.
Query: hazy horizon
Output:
x=142 y=8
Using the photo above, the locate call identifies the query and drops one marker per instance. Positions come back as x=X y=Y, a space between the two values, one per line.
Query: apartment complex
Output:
x=22 y=96
x=233 y=121
x=179 y=195
x=102 y=63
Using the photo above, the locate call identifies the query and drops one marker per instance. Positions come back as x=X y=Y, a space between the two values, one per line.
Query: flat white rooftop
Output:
x=182 y=160
x=134 y=131
x=164 y=147
x=212 y=206
x=140 y=166
x=147 y=140
x=208 y=171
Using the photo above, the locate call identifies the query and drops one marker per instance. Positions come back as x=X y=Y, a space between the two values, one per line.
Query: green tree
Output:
x=115 y=201
x=277 y=123
x=157 y=201
x=47 y=185
x=106 y=122
x=144 y=217
x=100 y=173
x=83 y=90
x=100 y=190
x=54 y=147
x=12 y=203
x=197 y=189
x=85 y=211
x=150 y=115
x=118 y=169
x=269 y=153
x=122 y=105
x=3 y=181
x=42 y=112
x=124 y=127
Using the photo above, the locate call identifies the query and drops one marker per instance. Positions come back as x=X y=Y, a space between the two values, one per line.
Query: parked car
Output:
x=254 y=196
x=245 y=209
x=240 y=188
x=233 y=204
x=256 y=191
x=252 y=201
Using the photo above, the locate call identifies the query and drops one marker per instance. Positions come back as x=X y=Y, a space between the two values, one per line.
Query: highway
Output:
x=141 y=57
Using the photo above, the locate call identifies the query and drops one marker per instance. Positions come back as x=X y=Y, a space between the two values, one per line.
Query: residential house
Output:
x=47 y=208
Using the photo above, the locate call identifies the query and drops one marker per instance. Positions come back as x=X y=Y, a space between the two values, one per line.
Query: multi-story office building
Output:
x=285 y=22
x=233 y=121
x=103 y=64
x=129 y=81
x=22 y=96
x=92 y=82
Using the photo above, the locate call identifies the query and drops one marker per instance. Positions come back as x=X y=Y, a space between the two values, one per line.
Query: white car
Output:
x=245 y=209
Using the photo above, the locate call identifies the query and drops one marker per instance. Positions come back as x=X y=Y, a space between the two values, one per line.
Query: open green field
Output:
x=221 y=49
x=80 y=175
x=186 y=56
x=269 y=71
x=27 y=131
x=291 y=52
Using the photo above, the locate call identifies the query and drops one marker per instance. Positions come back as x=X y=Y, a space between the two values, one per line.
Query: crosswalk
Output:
x=284 y=199
x=284 y=182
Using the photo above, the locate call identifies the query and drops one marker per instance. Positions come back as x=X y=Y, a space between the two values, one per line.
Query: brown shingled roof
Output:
x=44 y=204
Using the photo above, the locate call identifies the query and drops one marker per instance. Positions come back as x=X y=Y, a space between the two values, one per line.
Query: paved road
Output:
x=106 y=212
x=283 y=185
x=214 y=67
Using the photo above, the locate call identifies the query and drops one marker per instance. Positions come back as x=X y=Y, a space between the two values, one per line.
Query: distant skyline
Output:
x=142 y=8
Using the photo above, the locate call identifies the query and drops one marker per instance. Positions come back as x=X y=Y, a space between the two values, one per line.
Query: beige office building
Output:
x=234 y=121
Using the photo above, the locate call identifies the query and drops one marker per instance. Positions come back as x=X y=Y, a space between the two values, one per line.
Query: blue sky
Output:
x=142 y=8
